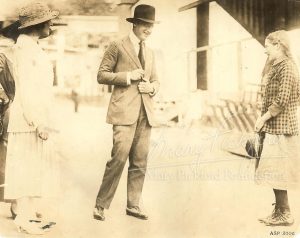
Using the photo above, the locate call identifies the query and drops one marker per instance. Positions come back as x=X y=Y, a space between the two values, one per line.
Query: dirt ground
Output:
x=193 y=188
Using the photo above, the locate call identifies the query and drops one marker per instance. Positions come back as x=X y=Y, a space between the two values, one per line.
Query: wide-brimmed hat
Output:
x=35 y=13
x=144 y=13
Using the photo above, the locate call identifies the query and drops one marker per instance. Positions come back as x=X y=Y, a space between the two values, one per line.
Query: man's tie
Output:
x=141 y=54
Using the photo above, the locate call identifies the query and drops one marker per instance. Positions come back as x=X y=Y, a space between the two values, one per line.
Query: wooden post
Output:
x=240 y=65
x=202 y=40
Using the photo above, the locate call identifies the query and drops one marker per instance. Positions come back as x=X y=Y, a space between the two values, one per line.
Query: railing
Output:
x=208 y=49
x=235 y=114
x=229 y=113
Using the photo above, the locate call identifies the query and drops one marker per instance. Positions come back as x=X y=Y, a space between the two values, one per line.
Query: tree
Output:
x=84 y=7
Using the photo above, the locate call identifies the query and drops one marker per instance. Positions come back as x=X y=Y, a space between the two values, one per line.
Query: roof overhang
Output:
x=127 y=2
x=193 y=4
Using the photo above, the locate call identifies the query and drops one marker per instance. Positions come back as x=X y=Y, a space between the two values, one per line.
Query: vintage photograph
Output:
x=149 y=118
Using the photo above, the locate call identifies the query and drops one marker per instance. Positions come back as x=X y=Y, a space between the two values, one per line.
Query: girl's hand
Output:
x=42 y=132
x=259 y=124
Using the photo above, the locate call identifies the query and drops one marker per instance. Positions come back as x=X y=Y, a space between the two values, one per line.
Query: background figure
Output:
x=75 y=99
x=279 y=164
x=31 y=173
x=4 y=116
x=7 y=93
x=129 y=66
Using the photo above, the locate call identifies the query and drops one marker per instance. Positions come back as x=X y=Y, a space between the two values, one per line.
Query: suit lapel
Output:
x=128 y=47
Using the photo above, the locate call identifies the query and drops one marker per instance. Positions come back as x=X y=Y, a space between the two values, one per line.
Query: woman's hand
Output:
x=28 y=120
x=42 y=132
x=261 y=121
x=259 y=124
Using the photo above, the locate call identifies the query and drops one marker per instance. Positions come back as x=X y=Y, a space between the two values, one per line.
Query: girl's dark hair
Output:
x=11 y=31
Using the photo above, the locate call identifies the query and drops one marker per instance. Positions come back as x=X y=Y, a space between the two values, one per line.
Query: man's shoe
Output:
x=136 y=212
x=99 y=214
x=274 y=213
x=284 y=218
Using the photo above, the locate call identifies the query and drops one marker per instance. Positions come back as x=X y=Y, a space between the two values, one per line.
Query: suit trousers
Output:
x=128 y=141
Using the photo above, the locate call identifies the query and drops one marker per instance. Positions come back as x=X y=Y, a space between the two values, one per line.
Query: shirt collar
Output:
x=134 y=38
x=26 y=40
x=279 y=60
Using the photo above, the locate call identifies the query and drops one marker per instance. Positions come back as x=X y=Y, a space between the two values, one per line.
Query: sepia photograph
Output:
x=149 y=118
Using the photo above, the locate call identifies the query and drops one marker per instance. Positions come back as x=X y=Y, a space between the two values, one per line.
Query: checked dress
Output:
x=280 y=160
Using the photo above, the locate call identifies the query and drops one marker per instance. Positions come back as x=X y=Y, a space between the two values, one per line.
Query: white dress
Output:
x=32 y=165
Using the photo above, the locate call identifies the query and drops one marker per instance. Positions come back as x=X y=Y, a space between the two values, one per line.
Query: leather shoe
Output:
x=136 y=212
x=99 y=214
x=283 y=218
x=275 y=213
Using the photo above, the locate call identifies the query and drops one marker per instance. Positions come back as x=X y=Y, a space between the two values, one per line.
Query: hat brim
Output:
x=50 y=16
x=134 y=20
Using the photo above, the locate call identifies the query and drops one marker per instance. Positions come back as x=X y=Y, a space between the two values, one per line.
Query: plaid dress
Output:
x=280 y=98
x=279 y=165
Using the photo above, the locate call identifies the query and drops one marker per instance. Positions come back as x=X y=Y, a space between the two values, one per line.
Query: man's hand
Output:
x=145 y=87
x=137 y=74
x=42 y=132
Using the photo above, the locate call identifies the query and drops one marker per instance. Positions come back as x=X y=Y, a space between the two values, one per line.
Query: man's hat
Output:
x=144 y=13
x=35 y=13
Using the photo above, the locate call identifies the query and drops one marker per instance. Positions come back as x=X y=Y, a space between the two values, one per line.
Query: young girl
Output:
x=280 y=162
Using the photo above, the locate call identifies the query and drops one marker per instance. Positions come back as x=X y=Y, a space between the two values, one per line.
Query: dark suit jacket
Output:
x=6 y=77
x=126 y=100
x=8 y=84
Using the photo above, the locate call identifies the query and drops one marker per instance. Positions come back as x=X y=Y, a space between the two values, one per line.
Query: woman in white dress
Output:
x=31 y=165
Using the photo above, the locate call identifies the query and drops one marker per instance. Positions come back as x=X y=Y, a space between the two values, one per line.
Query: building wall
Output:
x=233 y=64
x=76 y=51
x=124 y=11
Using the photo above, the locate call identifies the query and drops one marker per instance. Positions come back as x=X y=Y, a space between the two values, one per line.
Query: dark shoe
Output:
x=13 y=206
x=99 y=213
x=274 y=213
x=283 y=218
x=136 y=212
x=47 y=226
x=13 y=214
x=26 y=226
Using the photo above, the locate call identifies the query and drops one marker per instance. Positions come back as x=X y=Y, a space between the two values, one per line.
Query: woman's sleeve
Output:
x=28 y=91
x=286 y=77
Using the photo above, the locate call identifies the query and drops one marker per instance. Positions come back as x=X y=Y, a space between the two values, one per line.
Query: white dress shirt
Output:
x=136 y=42
x=136 y=45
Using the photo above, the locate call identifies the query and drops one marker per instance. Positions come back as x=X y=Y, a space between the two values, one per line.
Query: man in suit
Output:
x=129 y=66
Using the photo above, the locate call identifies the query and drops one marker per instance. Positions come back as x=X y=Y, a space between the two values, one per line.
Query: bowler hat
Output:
x=35 y=13
x=144 y=13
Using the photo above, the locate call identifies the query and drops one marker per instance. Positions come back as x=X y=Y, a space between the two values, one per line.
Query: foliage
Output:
x=83 y=7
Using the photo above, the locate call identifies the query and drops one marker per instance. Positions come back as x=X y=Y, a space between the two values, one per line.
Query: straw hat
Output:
x=35 y=13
